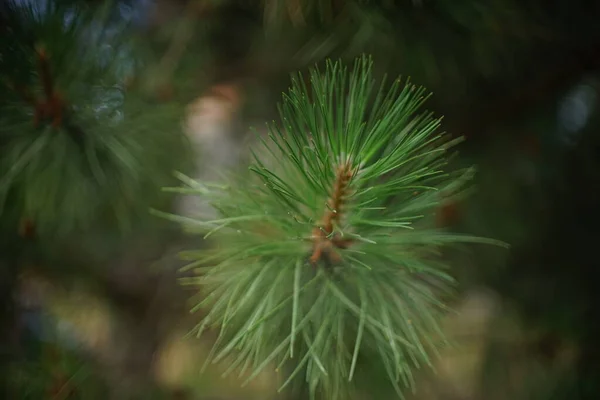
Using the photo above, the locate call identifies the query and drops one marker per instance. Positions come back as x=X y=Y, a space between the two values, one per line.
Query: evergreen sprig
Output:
x=77 y=144
x=326 y=258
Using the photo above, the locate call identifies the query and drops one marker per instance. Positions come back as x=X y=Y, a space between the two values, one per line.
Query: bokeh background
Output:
x=100 y=315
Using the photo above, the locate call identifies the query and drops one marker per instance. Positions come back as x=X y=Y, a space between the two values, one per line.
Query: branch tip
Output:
x=325 y=240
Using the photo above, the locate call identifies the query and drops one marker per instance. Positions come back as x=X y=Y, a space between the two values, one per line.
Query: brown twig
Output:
x=52 y=107
x=44 y=70
x=325 y=241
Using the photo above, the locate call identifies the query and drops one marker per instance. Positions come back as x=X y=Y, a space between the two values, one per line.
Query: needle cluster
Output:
x=325 y=262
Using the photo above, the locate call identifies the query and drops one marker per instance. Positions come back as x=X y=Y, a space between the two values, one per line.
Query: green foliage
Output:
x=326 y=258
x=437 y=41
x=76 y=143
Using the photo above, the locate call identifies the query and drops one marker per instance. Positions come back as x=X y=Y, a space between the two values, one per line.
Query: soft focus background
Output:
x=103 y=316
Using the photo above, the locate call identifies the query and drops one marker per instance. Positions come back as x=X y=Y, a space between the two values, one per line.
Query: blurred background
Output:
x=96 y=313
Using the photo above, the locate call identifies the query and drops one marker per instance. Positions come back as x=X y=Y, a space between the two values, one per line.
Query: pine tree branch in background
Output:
x=69 y=77
x=53 y=106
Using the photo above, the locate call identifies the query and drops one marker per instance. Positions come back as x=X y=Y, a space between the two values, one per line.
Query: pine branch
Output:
x=94 y=148
x=348 y=182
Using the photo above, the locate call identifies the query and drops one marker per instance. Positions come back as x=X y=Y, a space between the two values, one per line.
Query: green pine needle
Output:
x=326 y=255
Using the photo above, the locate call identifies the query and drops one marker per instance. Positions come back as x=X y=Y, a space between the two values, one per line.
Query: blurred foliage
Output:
x=78 y=145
